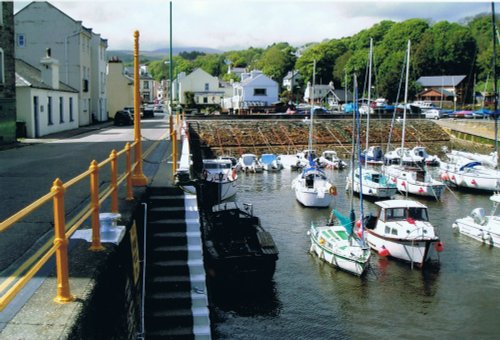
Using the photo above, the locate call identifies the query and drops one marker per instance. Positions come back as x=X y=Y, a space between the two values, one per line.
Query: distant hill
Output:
x=128 y=56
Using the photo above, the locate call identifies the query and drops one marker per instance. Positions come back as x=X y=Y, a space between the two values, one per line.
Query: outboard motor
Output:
x=479 y=216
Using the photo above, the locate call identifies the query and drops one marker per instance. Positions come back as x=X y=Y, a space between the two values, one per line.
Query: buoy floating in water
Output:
x=439 y=247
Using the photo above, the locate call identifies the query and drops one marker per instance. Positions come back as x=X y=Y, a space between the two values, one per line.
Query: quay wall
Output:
x=235 y=137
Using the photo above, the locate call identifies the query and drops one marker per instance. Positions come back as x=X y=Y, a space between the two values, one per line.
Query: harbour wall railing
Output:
x=63 y=230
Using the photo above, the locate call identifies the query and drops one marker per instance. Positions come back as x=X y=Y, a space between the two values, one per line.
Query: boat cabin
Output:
x=393 y=212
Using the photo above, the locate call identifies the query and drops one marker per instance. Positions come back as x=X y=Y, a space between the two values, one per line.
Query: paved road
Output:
x=27 y=173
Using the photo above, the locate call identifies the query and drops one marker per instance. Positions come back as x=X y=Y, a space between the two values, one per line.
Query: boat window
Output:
x=418 y=214
x=382 y=215
x=394 y=231
x=387 y=230
x=396 y=214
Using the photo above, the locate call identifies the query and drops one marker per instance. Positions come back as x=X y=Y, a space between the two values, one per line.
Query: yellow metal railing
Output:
x=62 y=230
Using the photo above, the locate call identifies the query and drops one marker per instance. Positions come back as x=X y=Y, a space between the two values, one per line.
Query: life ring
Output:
x=321 y=241
x=333 y=190
x=205 y=174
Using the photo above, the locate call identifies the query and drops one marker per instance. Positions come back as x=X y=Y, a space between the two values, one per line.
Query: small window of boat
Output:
x=396 y=214
x=418 y=214
x=387 y=230
x=394 y=231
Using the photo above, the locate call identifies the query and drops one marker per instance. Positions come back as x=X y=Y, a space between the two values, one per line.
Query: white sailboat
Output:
x=336 y=243
x=413 y=180
x=375 y=183
x=478 y=225
x=312 y=187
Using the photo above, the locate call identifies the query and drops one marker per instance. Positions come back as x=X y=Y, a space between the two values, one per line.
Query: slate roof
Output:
x=28 y=75
x=441 y=81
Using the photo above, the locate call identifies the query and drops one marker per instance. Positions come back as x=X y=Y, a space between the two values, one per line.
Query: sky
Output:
x=240 y=24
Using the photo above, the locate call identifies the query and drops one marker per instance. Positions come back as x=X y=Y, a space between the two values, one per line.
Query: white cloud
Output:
x=233 y=24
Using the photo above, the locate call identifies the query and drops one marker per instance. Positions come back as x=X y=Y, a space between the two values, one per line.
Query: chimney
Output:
x=50 y=70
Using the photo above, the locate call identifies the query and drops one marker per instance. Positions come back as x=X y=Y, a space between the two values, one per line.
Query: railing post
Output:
x=94 y=198
x=174 y=152
x=128 y=165
x=171 y=124
x=61 y=243
x=114 y=181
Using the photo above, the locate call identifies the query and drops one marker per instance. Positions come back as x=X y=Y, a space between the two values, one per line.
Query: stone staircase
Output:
x=176 y=304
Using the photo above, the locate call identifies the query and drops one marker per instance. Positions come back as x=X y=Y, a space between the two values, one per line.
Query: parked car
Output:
x=123 y=117
x=435 y=114
x=159 y=108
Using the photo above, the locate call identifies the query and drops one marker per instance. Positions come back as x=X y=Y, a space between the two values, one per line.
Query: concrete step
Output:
x=166 y=212
x=169 y=283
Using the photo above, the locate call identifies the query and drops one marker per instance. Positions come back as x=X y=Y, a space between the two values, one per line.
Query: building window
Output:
x=207 y=87
x=61 y=110
x=71 y=109
x=145 y=85
x=49 y=110
x=21 y=40
x=259 y=92
x=205 y=100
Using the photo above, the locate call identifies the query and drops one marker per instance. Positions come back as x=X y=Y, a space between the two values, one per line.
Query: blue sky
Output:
x=240 y=24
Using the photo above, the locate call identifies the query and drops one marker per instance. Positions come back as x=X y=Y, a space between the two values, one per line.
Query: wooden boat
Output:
x=236 y=246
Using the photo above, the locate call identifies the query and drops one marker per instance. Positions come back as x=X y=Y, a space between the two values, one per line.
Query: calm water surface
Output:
x=309 y=299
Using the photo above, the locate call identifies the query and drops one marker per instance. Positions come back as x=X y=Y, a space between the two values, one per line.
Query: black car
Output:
x=124 y=118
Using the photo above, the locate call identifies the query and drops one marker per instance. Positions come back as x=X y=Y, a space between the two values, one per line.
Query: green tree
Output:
x=277 y=60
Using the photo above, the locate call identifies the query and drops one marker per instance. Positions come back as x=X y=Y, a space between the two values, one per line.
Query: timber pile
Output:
x=235 y=137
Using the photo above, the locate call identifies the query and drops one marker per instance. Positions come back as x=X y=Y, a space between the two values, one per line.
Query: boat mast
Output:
x=406 y=102
x=358 y=142
x=495 y=107
x=312 y=114
x=370 y=56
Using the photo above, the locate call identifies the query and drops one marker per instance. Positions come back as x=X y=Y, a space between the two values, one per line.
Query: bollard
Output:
x=61 y=244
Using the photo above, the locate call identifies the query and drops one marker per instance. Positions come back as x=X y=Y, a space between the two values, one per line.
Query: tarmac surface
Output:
x=27 y=170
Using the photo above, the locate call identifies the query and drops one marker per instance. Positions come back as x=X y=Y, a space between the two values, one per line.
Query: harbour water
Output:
x=308 y=299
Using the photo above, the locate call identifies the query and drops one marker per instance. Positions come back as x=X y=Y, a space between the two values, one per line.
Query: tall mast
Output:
x=405 y=102
x=494 y=28
x=370 y=56
x=312 y=113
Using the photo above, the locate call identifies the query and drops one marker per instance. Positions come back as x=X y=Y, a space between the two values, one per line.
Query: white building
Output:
x=291 y=79
x=205 y=88
x=320 y=91
x=98 y=94
x=39 y=26
x=44 y=104
x=254 y=90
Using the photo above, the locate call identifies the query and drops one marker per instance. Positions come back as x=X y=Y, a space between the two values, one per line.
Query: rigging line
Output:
x=396 y=103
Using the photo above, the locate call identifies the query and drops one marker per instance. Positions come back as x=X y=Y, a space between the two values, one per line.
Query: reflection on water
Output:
x=308 y=299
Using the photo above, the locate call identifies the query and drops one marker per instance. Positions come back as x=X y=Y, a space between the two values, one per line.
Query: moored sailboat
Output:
x=312 y=187
x=402 y=230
